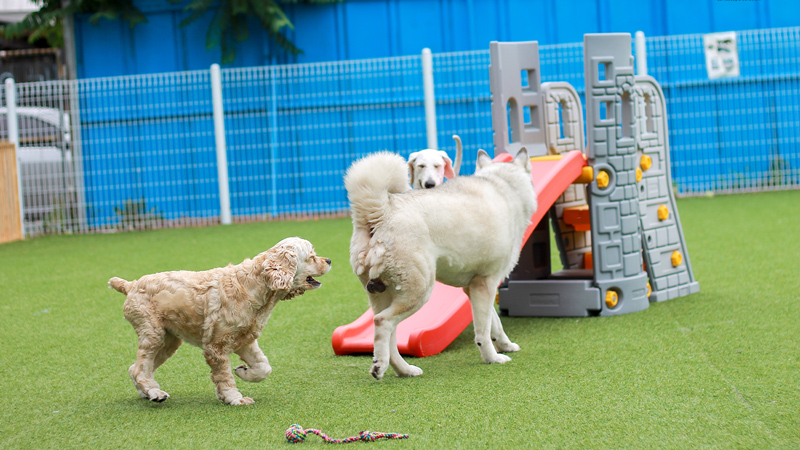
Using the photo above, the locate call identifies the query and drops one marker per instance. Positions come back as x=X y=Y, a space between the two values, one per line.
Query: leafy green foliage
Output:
x=228 y=28
x=135 y=215
x=46 y=23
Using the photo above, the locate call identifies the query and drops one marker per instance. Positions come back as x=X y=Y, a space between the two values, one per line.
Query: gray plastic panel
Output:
x=550 y=298
x=515 y=83
x=662 y=236
x=614 y=209
x=564 y=133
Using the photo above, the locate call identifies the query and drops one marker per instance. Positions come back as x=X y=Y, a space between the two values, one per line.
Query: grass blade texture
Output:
x=717 y=369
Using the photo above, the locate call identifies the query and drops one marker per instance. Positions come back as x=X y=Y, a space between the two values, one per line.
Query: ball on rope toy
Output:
x=296 y=434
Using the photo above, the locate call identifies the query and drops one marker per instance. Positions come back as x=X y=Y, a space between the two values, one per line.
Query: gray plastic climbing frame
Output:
x=634 y=251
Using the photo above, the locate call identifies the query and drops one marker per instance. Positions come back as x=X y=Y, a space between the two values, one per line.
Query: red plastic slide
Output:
x=431 y=329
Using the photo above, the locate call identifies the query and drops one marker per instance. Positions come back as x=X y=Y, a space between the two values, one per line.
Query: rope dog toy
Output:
x=295 y=434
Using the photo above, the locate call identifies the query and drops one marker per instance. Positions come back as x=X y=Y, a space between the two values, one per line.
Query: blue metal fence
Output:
x=145 y=152
x=732 y=134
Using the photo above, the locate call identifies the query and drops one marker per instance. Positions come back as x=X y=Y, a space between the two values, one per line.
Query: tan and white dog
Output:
x=221 y=310
x=429 y=167
x=467 y=233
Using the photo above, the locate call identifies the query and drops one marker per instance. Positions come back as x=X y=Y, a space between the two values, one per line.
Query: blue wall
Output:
x=357 y=29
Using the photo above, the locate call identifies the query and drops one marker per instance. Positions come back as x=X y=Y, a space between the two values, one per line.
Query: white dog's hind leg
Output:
x=400 y=366
x=481 y=296
x=385 y=328
x=501 y=341
x=257 y=361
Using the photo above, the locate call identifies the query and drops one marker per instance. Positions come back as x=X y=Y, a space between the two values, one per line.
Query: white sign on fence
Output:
x=722 y=55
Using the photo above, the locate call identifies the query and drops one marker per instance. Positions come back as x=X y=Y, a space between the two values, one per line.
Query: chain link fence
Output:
x=138 y=152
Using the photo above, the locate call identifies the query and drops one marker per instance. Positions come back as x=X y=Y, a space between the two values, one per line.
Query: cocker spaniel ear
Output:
x=280 y=267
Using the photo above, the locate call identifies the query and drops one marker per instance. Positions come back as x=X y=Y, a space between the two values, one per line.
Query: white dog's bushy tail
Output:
x=120 y=285
x=369 y=182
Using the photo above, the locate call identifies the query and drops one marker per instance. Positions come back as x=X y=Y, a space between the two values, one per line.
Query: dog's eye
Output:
x=437 y=166
x=421 y=166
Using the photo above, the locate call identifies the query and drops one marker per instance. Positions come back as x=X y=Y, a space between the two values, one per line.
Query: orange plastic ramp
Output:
x=448 y=312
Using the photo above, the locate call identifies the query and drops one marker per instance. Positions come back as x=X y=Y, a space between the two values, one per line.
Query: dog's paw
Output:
x=243 y=372
x=253 y=374
x=157 y=395
x=412 y=371
x=242 y=401
x=507 y=347
x=496 y=359
x=377 y=371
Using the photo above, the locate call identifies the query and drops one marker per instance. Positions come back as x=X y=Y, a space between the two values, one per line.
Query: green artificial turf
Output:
x=717 y=369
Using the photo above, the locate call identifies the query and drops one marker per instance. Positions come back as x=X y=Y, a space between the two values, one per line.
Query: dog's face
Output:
x=428 y=168
x=292 y=265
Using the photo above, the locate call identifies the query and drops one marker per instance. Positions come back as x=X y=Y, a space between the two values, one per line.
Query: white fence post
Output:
x=430 y=100
x=273 y=140
x=13 y=137
x=219 y=135
x=641 y=54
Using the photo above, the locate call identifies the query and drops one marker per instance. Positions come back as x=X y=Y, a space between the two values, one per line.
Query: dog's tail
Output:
x=459 y=151
x=370 y=181
x=120 y=285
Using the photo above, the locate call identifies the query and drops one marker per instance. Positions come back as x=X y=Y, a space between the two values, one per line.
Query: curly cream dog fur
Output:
x=221 y=310
x=466 y=233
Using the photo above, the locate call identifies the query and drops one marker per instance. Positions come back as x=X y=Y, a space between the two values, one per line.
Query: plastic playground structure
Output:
x=610 y=206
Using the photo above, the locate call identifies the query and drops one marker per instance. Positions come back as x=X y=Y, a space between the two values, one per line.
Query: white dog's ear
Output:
x=522 y=159
x=279 y=268
x=448 y=165
x=411 y=160
x=483 y=160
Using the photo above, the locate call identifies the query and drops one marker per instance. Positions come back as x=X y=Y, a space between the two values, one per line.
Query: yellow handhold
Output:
x=602 y=179
x=646 y=162
x=663 y=212
x=586 y=176
x=638 y=174
x=676 y=258
x=611 y=299
x=649 y=290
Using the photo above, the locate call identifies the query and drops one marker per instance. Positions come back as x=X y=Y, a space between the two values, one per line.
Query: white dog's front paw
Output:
x=496 y=359
x=506 y=347
x=412 y=371
x=157 y=395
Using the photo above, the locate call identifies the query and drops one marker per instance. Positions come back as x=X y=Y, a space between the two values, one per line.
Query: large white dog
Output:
x=466 y=233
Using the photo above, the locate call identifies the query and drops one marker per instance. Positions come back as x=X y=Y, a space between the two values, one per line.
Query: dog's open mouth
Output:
x=314 y=283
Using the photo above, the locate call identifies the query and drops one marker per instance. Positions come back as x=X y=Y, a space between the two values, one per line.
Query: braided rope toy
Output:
x=295 y=434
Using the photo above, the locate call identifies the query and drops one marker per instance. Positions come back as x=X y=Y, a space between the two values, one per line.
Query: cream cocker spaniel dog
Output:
x=221 y=310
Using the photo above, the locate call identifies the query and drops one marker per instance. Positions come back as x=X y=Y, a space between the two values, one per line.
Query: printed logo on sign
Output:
x=722 y=55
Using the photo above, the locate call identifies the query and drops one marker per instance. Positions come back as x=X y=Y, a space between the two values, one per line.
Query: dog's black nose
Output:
x=328 y=260
x=429 y=184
